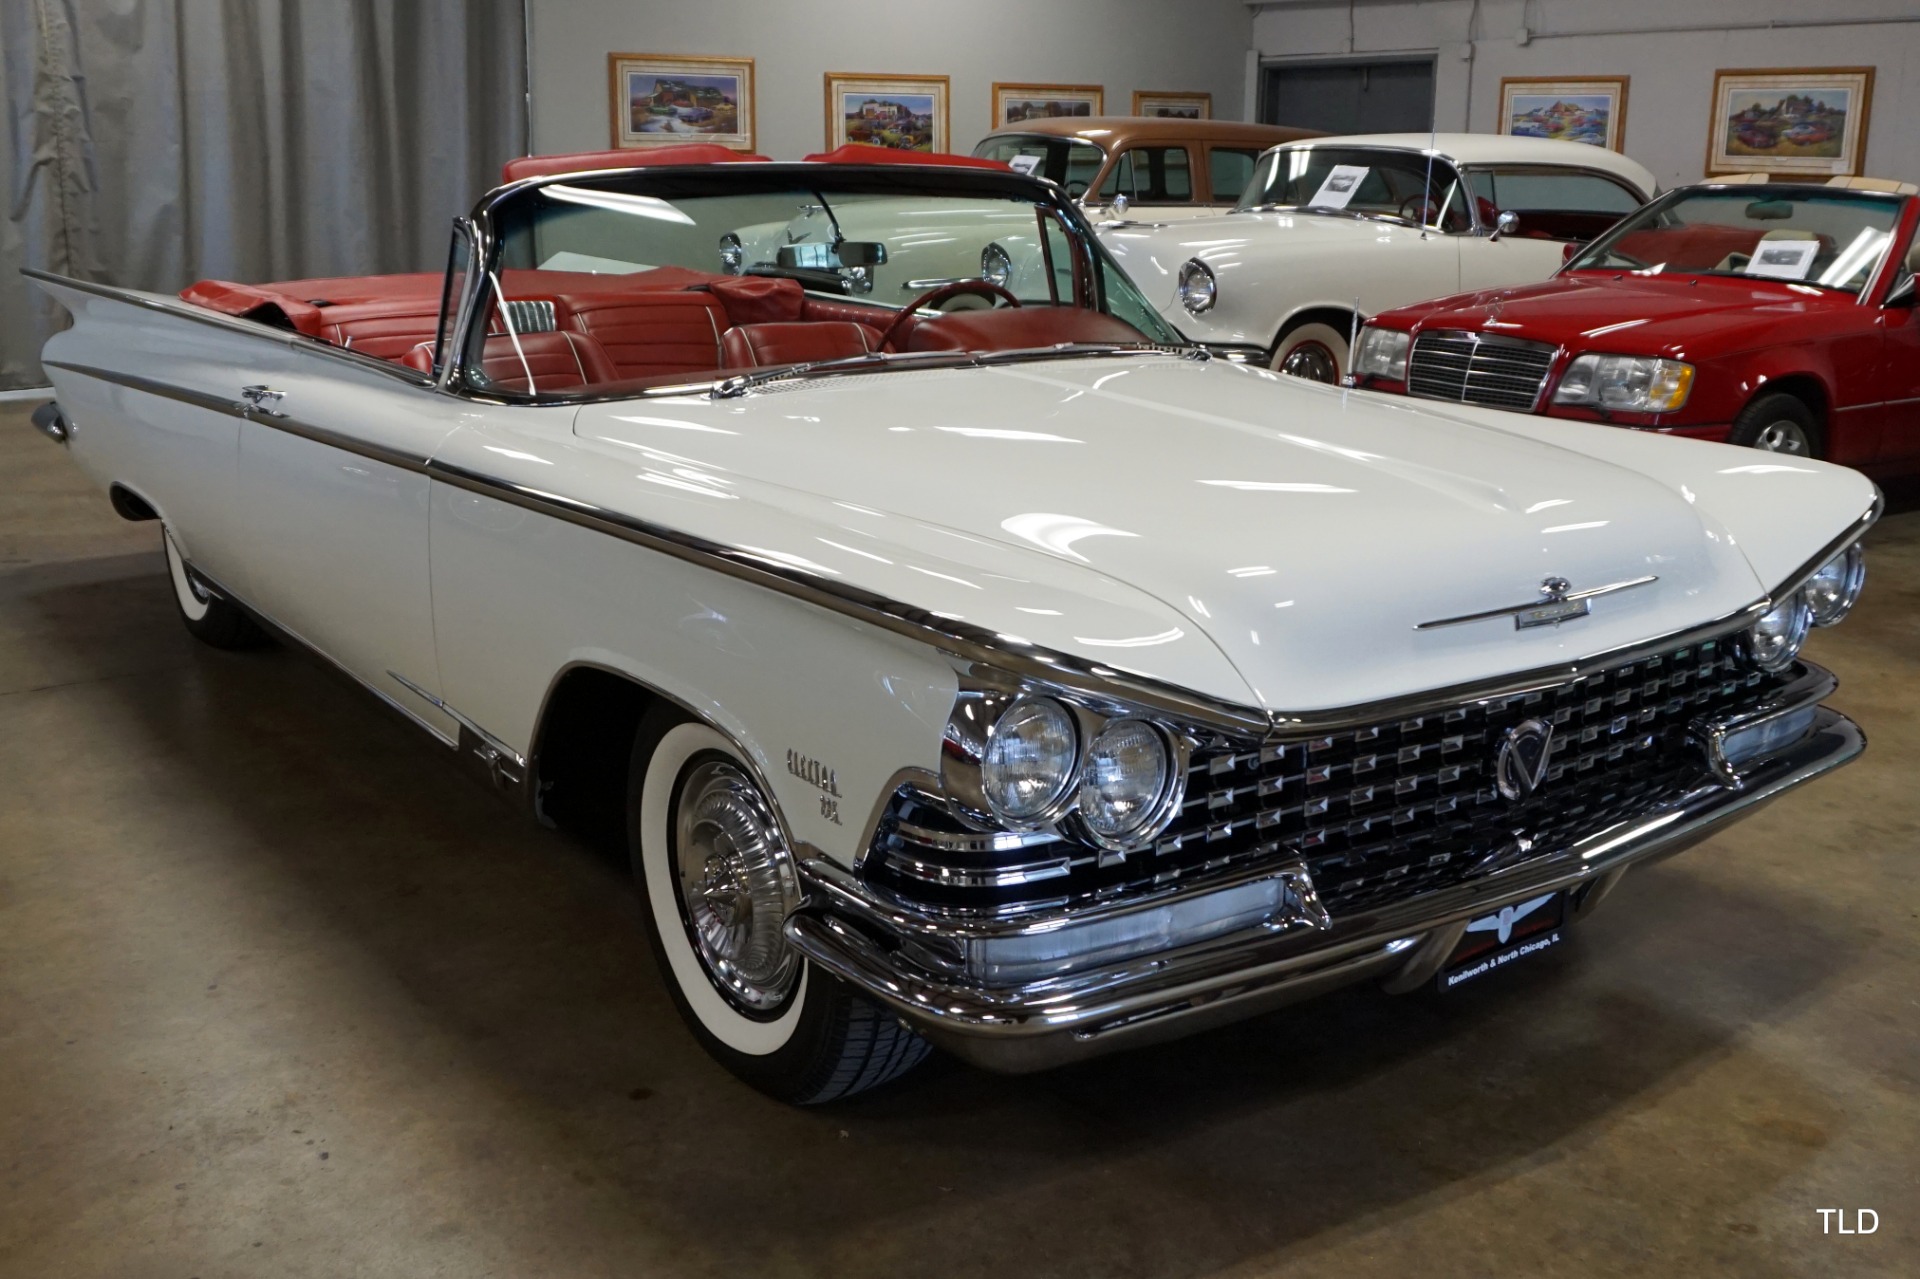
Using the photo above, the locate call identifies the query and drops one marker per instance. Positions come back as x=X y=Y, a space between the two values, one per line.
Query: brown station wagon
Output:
x=1162 y=168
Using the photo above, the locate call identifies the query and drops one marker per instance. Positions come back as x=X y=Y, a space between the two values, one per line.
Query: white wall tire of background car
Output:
x=1316 y=352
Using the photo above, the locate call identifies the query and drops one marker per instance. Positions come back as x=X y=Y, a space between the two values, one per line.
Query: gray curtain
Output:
x=151 y=143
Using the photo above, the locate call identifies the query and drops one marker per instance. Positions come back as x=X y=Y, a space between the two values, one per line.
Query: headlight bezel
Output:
x=1394 y=365
x=979 y=707
x=1062 y=786
x=1589 y=377
x=1155 y=811
x=1796 y=617
x=1852 y=563
x=1197 y=286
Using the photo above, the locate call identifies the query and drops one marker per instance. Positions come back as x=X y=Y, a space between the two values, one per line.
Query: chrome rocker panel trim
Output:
x=1175 y=993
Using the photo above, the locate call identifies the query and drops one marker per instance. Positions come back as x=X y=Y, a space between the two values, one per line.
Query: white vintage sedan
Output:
x=1022 y=681
x=1335 y=230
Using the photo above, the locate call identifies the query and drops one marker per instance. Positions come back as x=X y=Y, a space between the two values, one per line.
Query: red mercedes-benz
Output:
x=1778 y=315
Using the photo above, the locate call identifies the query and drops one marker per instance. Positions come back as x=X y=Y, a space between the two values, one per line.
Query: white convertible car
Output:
x=1018 y=680
x=1333 y=231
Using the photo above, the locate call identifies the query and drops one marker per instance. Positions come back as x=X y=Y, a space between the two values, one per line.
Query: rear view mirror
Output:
x=1770 y=210
x=831 y=257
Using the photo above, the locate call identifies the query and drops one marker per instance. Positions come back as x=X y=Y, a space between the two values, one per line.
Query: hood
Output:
x=1252 y=538
x=1630 y=314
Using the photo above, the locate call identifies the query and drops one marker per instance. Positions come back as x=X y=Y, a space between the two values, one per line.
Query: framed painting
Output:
x=1173 y=106
x=660 y=99
x=1013 y=103
x=1790 y=122
x=1592 y=109
x=908 y=113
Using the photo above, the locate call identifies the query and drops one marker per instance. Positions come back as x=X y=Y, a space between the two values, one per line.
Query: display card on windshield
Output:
x=1026 y=164
x=1783 y=259
x=1342 y=181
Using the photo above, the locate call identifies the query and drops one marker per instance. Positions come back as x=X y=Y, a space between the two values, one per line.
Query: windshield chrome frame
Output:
x=1047 y=196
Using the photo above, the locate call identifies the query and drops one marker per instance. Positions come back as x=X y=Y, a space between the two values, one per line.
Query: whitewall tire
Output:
x=711 y=858
x=208 y=618
x=1316 y=352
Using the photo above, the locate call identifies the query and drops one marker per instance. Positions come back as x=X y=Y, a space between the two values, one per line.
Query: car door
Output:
x=332 y=490
x=1900 y=366
x=1552 y=207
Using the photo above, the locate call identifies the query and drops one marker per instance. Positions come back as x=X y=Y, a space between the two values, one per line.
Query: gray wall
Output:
x=1672 y=73
x=1196 y=45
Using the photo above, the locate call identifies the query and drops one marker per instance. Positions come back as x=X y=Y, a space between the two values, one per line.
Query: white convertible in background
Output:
x=1335 y=230
x=1021 y=679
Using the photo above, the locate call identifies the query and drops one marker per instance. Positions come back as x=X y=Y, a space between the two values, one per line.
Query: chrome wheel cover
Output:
x=1784 y=436
x=1311 y=361
x=737 y=885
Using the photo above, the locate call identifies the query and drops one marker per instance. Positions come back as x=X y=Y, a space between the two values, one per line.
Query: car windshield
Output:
x=648 y=275
x=1806 y=235
x=1071 y=162
x=1397 y=186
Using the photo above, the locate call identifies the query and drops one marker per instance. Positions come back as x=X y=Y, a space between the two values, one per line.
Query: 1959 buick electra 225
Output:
x=1019 y=680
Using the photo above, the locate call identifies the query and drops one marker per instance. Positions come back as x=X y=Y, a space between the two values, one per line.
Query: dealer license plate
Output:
x=1508 y=935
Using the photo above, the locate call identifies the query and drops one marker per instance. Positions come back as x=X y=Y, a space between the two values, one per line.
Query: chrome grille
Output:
x=1477 y=368
x=1379 y=814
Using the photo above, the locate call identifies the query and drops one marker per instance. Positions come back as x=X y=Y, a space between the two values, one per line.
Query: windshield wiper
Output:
x=740 y=384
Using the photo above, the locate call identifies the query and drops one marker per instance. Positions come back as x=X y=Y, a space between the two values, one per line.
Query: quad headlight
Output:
x=1198 y=289
x=1124 y=782
x=1383 y=354
x=1625 y=383
x=1776 y=639
x=1032 y=752
x=1835 y=588
x=995 y=266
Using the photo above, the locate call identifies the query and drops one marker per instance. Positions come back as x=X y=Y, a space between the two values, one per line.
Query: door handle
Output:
x=260 y=399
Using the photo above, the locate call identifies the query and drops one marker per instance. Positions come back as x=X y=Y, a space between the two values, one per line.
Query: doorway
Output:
x=1391 y=95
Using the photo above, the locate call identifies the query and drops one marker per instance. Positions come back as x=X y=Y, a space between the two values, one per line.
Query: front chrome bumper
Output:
x=1173 y=993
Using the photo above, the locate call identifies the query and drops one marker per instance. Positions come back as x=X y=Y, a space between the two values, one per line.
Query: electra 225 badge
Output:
x=821 y=778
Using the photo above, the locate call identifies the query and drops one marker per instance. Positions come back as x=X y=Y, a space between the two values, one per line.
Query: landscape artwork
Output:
x=1018 y=103
x=901 y=113
x=1173 y=106
x=666 y=99
x=1808 y=122
x=1592 y=111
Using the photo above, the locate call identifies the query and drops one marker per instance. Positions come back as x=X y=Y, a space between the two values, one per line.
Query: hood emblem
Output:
x=1521 y=764
x=1558 y=603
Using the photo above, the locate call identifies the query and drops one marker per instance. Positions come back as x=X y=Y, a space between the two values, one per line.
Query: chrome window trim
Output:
x=1641 y=199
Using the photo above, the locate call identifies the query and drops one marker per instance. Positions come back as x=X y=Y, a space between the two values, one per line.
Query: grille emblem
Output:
x=1521 y=765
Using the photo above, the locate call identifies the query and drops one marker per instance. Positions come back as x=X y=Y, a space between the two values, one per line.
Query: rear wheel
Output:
x=719 y=880
x=1316 y=352
x=1779 y=423
x=208 y=618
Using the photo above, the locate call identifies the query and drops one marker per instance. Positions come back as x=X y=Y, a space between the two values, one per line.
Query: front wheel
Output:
x=214 y=621
x=712 y=862
x=1779 y=423
x=1316 y=352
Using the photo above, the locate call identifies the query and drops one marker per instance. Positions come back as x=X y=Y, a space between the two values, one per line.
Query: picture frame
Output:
x=1173 y=105
x=908 y=113
x=1014 y=103
x=665 y=99
x=1790 y=121
x=1590 y=109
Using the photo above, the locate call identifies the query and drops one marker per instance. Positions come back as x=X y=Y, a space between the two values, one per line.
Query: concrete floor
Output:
x=281 y=993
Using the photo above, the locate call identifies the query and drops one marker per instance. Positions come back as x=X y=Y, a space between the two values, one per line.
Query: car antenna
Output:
x=1433 y=144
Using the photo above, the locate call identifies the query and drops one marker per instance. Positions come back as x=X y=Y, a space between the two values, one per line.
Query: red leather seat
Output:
x=557 y=361
x=651 y=334
x=383 y=330
x=750 y=346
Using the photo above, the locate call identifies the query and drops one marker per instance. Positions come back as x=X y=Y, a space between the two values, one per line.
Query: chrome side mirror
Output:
x=1506 y=224
x=1120 y=205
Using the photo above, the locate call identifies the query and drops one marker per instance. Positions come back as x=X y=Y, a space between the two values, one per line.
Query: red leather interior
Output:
x=1017 y=328
x=1701 y=246
x=760 y=299
x=558 y=362
x=384 y=330
x=750 y=346
x=419 y=357
x=648 y=334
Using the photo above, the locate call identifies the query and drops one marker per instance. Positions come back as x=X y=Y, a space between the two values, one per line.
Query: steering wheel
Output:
x=982 y=288
x=1418 y=209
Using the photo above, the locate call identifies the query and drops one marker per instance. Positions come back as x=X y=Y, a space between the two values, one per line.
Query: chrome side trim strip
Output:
x=485 y=737
x=1564 y=597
